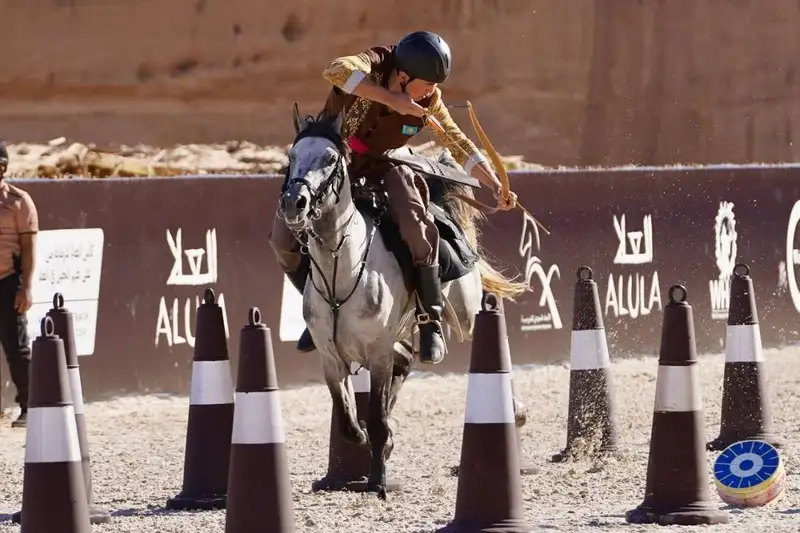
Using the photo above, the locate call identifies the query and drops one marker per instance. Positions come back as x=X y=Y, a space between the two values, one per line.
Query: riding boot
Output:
x=298 y=278
x=429 y=317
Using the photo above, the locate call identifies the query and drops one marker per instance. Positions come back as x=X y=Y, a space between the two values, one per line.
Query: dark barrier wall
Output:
x=164 y=240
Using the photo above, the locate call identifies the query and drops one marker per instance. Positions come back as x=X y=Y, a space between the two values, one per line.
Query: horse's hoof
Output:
x=377 y=488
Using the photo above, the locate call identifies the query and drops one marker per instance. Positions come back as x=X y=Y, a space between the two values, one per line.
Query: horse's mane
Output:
x=323 y=126
x=320 y=126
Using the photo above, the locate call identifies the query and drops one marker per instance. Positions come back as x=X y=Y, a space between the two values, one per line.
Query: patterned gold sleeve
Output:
x=347 y=72
x=461 y=147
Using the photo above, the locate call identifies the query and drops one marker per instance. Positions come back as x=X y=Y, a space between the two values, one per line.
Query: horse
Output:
x=358 y=303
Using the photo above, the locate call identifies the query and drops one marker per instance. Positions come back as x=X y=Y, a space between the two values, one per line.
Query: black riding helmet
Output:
x=423 y=55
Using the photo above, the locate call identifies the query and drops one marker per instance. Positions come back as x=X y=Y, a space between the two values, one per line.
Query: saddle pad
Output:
x=429 y=167
x=456 y=257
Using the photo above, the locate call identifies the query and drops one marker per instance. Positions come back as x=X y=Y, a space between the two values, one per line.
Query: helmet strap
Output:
x=404 y=83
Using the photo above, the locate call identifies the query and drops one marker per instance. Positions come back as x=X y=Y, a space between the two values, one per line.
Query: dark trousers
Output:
x=14 y=337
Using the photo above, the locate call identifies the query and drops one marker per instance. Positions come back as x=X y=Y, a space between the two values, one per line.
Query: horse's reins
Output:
x=505 y=184
x=317 y=197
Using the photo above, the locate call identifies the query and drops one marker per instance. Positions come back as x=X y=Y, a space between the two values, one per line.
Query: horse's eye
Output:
x=331 y=159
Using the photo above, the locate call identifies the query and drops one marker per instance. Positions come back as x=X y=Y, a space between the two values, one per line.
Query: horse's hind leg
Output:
x=401 y=368
x=400 y=371
x=381 y=382
x=344 y=406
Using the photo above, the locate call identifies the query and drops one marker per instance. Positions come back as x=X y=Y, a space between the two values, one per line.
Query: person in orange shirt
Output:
x=19 y=224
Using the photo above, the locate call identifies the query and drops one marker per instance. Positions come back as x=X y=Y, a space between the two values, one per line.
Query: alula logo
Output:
x=725 y=256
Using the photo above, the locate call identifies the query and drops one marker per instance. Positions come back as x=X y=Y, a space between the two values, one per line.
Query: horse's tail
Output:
x=494 y=282
x=467 y=217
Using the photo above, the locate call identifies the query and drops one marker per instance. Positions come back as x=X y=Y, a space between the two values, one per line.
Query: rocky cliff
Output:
x=571 y=82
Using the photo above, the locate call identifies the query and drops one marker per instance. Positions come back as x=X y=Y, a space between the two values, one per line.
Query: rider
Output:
x=384 y=93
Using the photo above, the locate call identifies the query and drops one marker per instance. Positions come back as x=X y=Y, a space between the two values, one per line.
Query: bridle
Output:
x=334 y=182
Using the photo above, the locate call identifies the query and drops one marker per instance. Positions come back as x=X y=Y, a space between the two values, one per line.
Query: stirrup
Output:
x=421 y=320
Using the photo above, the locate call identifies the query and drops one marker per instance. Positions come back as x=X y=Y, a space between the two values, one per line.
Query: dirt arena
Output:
x=137 y=457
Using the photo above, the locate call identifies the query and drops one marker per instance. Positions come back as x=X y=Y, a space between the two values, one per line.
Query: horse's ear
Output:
x=337 y=124
x=296 y=120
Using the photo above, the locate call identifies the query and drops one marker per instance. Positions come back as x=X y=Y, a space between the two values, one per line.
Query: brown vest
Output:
x=378 y=127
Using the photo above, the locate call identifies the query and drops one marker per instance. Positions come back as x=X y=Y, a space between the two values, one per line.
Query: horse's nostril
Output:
x=300 y=203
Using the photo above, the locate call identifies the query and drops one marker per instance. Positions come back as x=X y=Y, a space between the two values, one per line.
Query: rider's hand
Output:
x=504 y=204
x=405 y=105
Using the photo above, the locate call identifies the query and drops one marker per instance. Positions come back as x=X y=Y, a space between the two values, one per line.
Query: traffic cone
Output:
x=591 y=424
x=259 y=490
x=348 y=464
x=677 y=491
x=526 y=468
x=489 y=497
x=746 y=410
x=63 y=327
x=208 y=432
x=53 y=489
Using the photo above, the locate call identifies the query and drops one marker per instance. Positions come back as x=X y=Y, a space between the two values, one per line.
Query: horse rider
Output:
x=385 y=92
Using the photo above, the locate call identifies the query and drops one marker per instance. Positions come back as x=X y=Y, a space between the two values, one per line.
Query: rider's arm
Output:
x=463 y=149
x=353 y=75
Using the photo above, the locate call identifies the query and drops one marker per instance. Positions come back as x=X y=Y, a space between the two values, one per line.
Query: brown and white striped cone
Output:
x=526 y=468
x=64 y=328
x=259 y=489
x=53 y=489
x=348 y=464
x=208 y=431
x=677 y=490
x=591 y=421
x=746 y=410
x=489 y=497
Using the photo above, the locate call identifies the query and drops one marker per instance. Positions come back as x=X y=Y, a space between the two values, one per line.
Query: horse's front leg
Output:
x=378 y=422
x=344 y=406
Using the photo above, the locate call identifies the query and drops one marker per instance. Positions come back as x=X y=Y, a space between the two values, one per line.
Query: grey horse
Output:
x=357 y=305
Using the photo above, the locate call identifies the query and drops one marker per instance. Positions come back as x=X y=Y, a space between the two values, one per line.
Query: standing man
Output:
x=19 y=224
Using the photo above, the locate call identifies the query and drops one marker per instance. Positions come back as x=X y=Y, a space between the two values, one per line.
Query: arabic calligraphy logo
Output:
x=636 y=239
x=793 y=256
x=725 y=240
x=533 y=266
x=194 y=256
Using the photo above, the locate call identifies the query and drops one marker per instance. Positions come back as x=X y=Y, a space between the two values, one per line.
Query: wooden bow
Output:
x=505 y=184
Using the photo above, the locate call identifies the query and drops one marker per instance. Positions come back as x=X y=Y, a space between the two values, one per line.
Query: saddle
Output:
x=456 y=256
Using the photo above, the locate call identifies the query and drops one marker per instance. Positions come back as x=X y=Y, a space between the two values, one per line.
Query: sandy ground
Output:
x=137 y=455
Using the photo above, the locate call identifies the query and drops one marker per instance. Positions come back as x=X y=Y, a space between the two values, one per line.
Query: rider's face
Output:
x=418 y=89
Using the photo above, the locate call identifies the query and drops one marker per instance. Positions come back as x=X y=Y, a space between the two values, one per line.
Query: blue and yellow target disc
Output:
x=749 y=473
